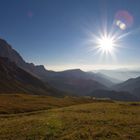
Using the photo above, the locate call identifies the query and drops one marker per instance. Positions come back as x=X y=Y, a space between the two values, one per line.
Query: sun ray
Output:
x=106 y=42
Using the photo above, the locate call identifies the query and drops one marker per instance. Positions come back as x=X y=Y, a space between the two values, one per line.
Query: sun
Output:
x=106 y=43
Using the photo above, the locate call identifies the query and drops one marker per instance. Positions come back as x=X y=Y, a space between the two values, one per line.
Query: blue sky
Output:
x=55 y=33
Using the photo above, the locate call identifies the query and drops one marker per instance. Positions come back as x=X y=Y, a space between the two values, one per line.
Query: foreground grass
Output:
x=20 y=103
x=88 y=121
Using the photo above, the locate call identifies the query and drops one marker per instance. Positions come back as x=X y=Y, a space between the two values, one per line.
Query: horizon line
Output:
x=91 y=67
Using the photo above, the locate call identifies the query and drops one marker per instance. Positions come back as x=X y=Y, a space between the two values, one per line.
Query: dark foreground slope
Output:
x=7 y=51
x=15 y=80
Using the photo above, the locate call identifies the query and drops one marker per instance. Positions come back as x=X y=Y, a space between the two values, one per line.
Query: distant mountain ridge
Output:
x=132 y=85
x=77 y=86
x=121 y=75
x=78 y=73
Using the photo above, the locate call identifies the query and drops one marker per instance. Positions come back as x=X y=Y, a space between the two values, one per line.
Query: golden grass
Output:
x=20 y=103
x=87 y=121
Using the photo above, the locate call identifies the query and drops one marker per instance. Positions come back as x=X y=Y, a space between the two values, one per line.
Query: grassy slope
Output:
x=88 y=121
x=20 y=103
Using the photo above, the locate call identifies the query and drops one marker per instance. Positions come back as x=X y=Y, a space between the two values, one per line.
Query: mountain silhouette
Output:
x=77 y=86
x=7 y=51
x=20 y=76
x=39 y=71
x=59 y=80
x=14 y=79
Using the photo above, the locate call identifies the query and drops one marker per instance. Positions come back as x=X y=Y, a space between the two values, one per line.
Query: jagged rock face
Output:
x=7 y=51
x=14 y=79
x=16 y=75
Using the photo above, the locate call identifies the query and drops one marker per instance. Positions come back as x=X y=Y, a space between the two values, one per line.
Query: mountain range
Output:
x=121 y=75
x=19 y=76
x=39 y=71
x=59 y=80
x=14 y=79
x=132 y=85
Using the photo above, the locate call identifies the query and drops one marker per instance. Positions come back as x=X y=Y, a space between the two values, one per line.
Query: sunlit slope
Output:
x=87 y=121
x=22 y=103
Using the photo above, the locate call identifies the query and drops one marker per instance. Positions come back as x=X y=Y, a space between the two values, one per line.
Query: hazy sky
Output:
x=55 y=33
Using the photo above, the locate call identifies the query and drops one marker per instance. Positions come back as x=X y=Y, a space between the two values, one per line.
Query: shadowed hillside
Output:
x=76 y=86
x=132 y=85
x=15 y=80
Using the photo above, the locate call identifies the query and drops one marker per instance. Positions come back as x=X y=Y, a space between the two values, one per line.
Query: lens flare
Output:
x=109 y=39
x=120 y=24
x=123 y=19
